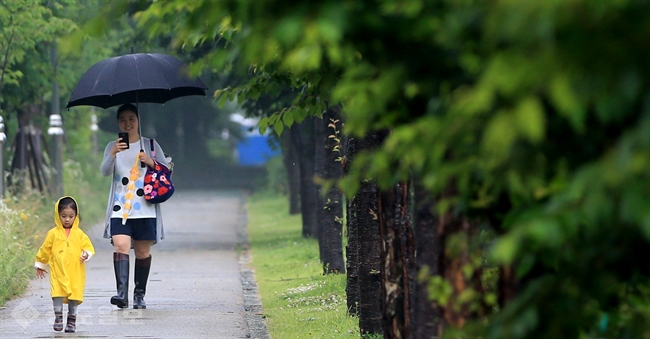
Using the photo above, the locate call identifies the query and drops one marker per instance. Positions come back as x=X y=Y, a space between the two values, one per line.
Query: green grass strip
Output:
x=298 y=300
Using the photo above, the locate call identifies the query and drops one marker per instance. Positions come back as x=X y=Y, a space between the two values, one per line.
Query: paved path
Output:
x=199 y=286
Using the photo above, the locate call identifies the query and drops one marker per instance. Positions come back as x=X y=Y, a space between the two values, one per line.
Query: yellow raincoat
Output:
x=62 y=253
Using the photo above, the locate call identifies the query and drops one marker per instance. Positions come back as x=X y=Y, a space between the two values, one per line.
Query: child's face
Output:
x=67 y=216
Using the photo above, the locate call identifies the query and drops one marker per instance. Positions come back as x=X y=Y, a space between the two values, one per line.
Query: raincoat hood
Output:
x=57 y=220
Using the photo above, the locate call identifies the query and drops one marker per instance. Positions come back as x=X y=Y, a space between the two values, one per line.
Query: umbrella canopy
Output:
x=141 y=77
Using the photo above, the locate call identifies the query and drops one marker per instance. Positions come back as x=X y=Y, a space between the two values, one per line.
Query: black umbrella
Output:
x=135 y=78
x=141 y=77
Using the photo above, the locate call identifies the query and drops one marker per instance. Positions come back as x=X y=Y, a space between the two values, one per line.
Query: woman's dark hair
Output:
x=68 y=202
x=127 y=107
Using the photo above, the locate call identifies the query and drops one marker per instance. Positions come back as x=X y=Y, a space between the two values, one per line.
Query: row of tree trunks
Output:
x=385 y=251
x=330 y=207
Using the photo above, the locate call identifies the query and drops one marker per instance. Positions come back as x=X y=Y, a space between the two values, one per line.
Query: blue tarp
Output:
x=254 y=150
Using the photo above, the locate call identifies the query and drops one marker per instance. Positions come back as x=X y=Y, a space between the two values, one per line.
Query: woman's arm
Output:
x=160 y=154
x=108 y=163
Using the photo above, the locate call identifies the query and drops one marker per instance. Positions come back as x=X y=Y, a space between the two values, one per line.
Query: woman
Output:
x=131 y=221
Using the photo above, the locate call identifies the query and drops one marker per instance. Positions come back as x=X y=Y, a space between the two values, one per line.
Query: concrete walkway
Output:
x=200 y=285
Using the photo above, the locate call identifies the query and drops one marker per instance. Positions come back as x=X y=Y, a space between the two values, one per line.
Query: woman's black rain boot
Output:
x=142 y=267
x=121 y=266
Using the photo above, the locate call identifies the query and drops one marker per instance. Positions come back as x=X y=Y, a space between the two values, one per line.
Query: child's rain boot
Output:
x=71 y=326
x=58 y=321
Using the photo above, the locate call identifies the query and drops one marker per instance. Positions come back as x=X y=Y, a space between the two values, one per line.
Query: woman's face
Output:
x=128 y=122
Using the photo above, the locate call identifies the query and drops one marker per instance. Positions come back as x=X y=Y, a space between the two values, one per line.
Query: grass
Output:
x=298 y=301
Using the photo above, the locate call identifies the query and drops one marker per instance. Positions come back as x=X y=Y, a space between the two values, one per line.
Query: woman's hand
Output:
x=40 y=273
x=118 y=147
x=145 y=158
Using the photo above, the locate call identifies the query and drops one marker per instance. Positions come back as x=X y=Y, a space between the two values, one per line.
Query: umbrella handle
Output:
x=153 y=150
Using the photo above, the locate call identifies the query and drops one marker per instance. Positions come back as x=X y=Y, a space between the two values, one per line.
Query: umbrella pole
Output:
x=137 y=104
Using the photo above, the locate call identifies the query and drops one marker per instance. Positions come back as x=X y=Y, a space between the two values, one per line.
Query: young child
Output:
x=66 y=248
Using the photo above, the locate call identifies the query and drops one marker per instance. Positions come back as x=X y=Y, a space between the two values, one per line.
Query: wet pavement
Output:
x=200 y=285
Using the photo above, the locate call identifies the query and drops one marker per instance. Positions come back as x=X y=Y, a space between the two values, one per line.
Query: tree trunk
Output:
x=28 y=164
x=507 y=285
x=331 y=224
x=319 y=172
x=303 y=137
x=369 y=249
x=426 y=315
x=397 y=259
x=352 y=247
x=291 y=165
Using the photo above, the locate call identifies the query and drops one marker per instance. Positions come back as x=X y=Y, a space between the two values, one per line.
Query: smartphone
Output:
x=124 y=137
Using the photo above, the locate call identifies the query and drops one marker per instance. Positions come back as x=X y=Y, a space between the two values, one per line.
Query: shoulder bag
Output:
x=158 y=186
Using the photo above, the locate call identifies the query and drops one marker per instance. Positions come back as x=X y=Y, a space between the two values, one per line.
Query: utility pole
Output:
x=56 y=129
x=56 y=132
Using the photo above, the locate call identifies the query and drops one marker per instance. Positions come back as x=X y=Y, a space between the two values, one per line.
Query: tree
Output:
x=290 y=159
x=528 y=110
x=304 y=139
x=27 y=31
x=264 y=106
x=23 y=24
x=352 y=289
x=364 y=214
x=425 y=316
x=397 y=260
x=330 y=207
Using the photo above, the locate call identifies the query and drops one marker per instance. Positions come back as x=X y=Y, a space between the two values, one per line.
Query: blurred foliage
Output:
x=536 y=111
x=276 y=176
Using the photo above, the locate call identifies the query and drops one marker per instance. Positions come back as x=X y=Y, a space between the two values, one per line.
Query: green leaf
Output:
x=567 y=102
x=499 y=136
x=288 y=118
x=278 y=127
x=222 y=101
x=263 y=124
x=505 y=249
x=530 y=119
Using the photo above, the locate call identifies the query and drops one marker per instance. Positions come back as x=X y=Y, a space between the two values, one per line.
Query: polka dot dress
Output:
x=133 y=203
